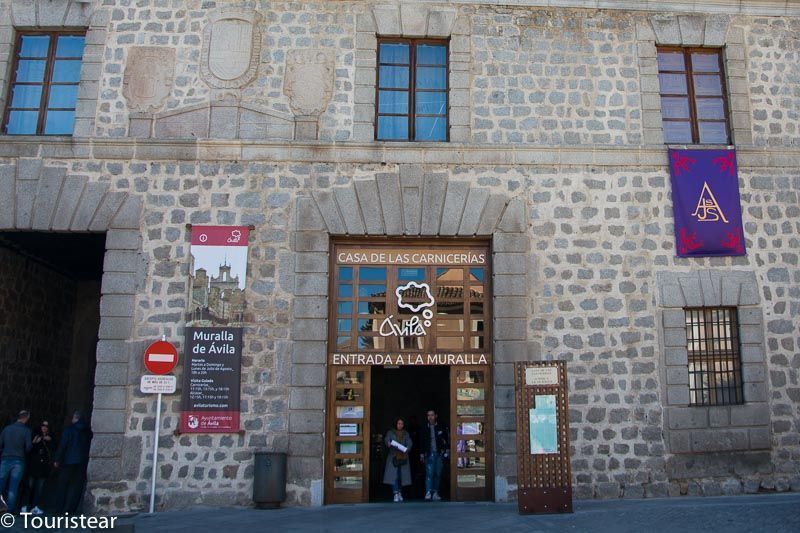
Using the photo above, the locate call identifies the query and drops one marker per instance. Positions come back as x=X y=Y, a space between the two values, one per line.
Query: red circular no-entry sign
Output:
x=160 y=357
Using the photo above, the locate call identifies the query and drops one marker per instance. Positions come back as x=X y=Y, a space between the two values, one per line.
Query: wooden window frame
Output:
x=412 y=82
x=730 y=356
x=392 y=343
x=690 y=91
x=46 y=80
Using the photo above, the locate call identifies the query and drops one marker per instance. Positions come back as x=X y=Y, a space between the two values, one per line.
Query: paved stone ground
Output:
x=771 y=513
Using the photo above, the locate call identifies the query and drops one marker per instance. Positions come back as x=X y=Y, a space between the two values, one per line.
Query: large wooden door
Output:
x=426 y=303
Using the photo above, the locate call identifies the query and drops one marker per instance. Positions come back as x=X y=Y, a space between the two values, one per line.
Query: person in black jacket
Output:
x=71 y=460
x=39 y=466
x=434 y=448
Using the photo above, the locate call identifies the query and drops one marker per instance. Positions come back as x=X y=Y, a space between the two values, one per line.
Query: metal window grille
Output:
x=715 y=368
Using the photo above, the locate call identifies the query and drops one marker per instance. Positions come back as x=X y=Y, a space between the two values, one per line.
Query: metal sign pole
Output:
x=155 y=454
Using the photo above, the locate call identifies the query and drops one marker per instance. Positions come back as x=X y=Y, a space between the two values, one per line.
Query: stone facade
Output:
x=556 y=156
x=149 y=76
x=555 y=77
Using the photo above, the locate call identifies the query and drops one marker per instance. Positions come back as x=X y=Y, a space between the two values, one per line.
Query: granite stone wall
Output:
x=520 y=75
x=555 y=112
x=555 y=77
x=773 y=73
x=179 y=24
x=598 y=237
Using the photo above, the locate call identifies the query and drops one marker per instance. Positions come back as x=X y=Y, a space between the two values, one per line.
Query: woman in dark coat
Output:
x=397 y=472
x=40 y=466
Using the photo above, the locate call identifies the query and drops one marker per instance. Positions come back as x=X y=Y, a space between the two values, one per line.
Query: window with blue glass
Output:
x=412 y=90
x=43 y=92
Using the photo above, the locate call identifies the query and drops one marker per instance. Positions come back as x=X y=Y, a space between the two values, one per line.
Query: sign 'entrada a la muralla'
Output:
x=391 y=359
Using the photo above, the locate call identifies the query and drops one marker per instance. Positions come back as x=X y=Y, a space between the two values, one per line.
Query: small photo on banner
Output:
x=217 y=276
x=706 y=204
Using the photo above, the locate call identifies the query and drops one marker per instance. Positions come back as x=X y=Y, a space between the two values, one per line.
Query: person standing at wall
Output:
x=39 y=466
x=71 y=460
x=434 y=448
x=15 y=443
x=397 y=471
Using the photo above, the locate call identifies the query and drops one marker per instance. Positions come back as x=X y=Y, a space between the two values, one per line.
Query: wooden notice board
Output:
x=544 y=476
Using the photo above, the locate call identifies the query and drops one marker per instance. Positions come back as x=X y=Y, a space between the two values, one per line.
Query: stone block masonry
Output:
x=555 y=77
x=284 y=28
x=775 y=87
x=590 y=296
x=556 y=156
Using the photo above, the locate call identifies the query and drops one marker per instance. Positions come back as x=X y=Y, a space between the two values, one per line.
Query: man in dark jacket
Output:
x=71 y=459
x=434 y=448
x=15 y=443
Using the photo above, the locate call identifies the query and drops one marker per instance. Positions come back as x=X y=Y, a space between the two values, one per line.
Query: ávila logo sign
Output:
x=414 y=327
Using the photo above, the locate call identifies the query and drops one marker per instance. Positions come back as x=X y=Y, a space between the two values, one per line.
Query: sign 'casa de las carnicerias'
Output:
x=421 y=305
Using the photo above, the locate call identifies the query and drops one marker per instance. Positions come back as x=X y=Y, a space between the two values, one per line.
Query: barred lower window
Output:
x=43 y=93
x=412 y=90
x=715 y=367
x=693 y=101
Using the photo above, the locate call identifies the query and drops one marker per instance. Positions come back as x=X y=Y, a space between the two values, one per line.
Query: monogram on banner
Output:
x=706 y=204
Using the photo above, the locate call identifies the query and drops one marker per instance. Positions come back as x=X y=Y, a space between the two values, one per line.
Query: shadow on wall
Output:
x=50 y=309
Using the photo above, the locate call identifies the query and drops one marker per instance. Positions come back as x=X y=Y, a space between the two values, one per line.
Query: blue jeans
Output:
x=433 y=471
x=397 y=481
x=11 y=470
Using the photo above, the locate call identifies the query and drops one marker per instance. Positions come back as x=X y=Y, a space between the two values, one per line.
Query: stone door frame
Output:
x=412 y=202
x=38 y=196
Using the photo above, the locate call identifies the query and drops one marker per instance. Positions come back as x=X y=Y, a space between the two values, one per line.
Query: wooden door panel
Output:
x=471 y=450
x=348 y=435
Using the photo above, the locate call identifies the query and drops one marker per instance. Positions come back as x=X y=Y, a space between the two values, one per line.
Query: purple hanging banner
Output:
x=705 y=200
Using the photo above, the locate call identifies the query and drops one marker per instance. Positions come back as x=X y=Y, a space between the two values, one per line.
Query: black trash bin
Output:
x=269 y=479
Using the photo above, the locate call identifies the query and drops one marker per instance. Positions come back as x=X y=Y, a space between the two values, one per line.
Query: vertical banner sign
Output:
x=214 y=320
x=211 y=380
x=705 y=201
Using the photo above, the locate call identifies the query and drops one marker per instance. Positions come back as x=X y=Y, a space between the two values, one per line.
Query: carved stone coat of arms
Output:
x=309 y=80
x=231 y=48
x=148 y=78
